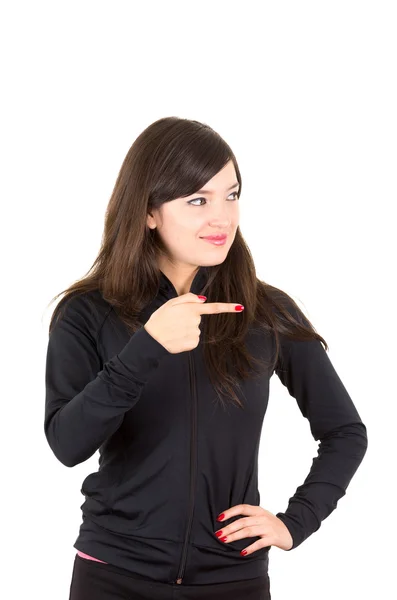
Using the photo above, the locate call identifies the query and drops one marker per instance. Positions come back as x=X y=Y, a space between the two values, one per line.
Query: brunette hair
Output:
x=174 y=157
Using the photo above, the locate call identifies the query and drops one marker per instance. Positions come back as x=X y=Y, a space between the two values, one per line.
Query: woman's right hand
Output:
x=176 y=324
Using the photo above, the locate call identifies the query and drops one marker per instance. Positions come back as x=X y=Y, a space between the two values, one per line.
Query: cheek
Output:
x=178 y=234
x=173 y=227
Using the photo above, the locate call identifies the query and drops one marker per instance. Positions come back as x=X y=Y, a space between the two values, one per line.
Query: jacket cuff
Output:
x=141 y=355
x=300 y=521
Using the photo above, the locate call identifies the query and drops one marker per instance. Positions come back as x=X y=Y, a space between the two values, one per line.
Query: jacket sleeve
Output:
x=307 y=372
x=85 y=401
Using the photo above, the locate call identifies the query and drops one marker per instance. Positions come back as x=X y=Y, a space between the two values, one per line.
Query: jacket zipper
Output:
x=193 y=458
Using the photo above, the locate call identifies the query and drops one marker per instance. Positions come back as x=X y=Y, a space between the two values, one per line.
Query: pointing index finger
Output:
x=220 y=307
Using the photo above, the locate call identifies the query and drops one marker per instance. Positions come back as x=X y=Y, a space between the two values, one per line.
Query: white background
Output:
x=305 y=94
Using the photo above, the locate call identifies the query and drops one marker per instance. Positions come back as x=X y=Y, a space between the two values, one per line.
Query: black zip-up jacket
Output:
x=171 y=459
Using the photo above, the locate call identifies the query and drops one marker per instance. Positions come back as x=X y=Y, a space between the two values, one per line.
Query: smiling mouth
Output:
x=215 y=241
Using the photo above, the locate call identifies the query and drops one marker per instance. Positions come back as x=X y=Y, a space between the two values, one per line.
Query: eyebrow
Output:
x=204 y=191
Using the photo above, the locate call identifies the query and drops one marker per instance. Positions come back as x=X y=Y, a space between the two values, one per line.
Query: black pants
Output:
x=92 y=580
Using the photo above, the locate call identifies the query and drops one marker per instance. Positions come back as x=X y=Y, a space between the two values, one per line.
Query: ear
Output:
x=150 y=221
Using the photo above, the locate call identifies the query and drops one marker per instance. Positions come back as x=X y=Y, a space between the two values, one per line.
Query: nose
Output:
x=220 y=218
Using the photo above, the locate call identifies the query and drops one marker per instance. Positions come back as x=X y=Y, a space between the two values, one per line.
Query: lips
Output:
x=215 y=237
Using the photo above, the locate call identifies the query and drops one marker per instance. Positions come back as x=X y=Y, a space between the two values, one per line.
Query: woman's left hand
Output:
x=258 y=522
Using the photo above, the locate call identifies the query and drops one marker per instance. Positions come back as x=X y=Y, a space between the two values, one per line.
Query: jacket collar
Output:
x=198 y=283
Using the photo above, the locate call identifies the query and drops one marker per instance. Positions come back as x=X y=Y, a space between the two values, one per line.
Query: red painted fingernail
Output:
x=239 y=307
x=243 y=552
x=218 y=533
x=222 y=516
x=202 y=297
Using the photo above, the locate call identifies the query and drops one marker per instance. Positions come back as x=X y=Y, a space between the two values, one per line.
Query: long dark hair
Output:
x=171 y=158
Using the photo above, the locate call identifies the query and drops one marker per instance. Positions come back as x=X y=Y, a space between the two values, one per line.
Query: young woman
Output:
x=160 y=358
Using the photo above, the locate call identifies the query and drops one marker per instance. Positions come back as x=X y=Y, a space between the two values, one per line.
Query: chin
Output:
x=212 y=263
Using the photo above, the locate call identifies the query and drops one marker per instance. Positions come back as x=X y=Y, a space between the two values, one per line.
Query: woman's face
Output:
x=183 y=222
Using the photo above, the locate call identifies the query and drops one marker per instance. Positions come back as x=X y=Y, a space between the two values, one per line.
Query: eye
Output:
x=196 y=199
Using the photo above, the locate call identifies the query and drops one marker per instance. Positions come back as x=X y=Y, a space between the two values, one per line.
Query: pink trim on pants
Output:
x=90 y=557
